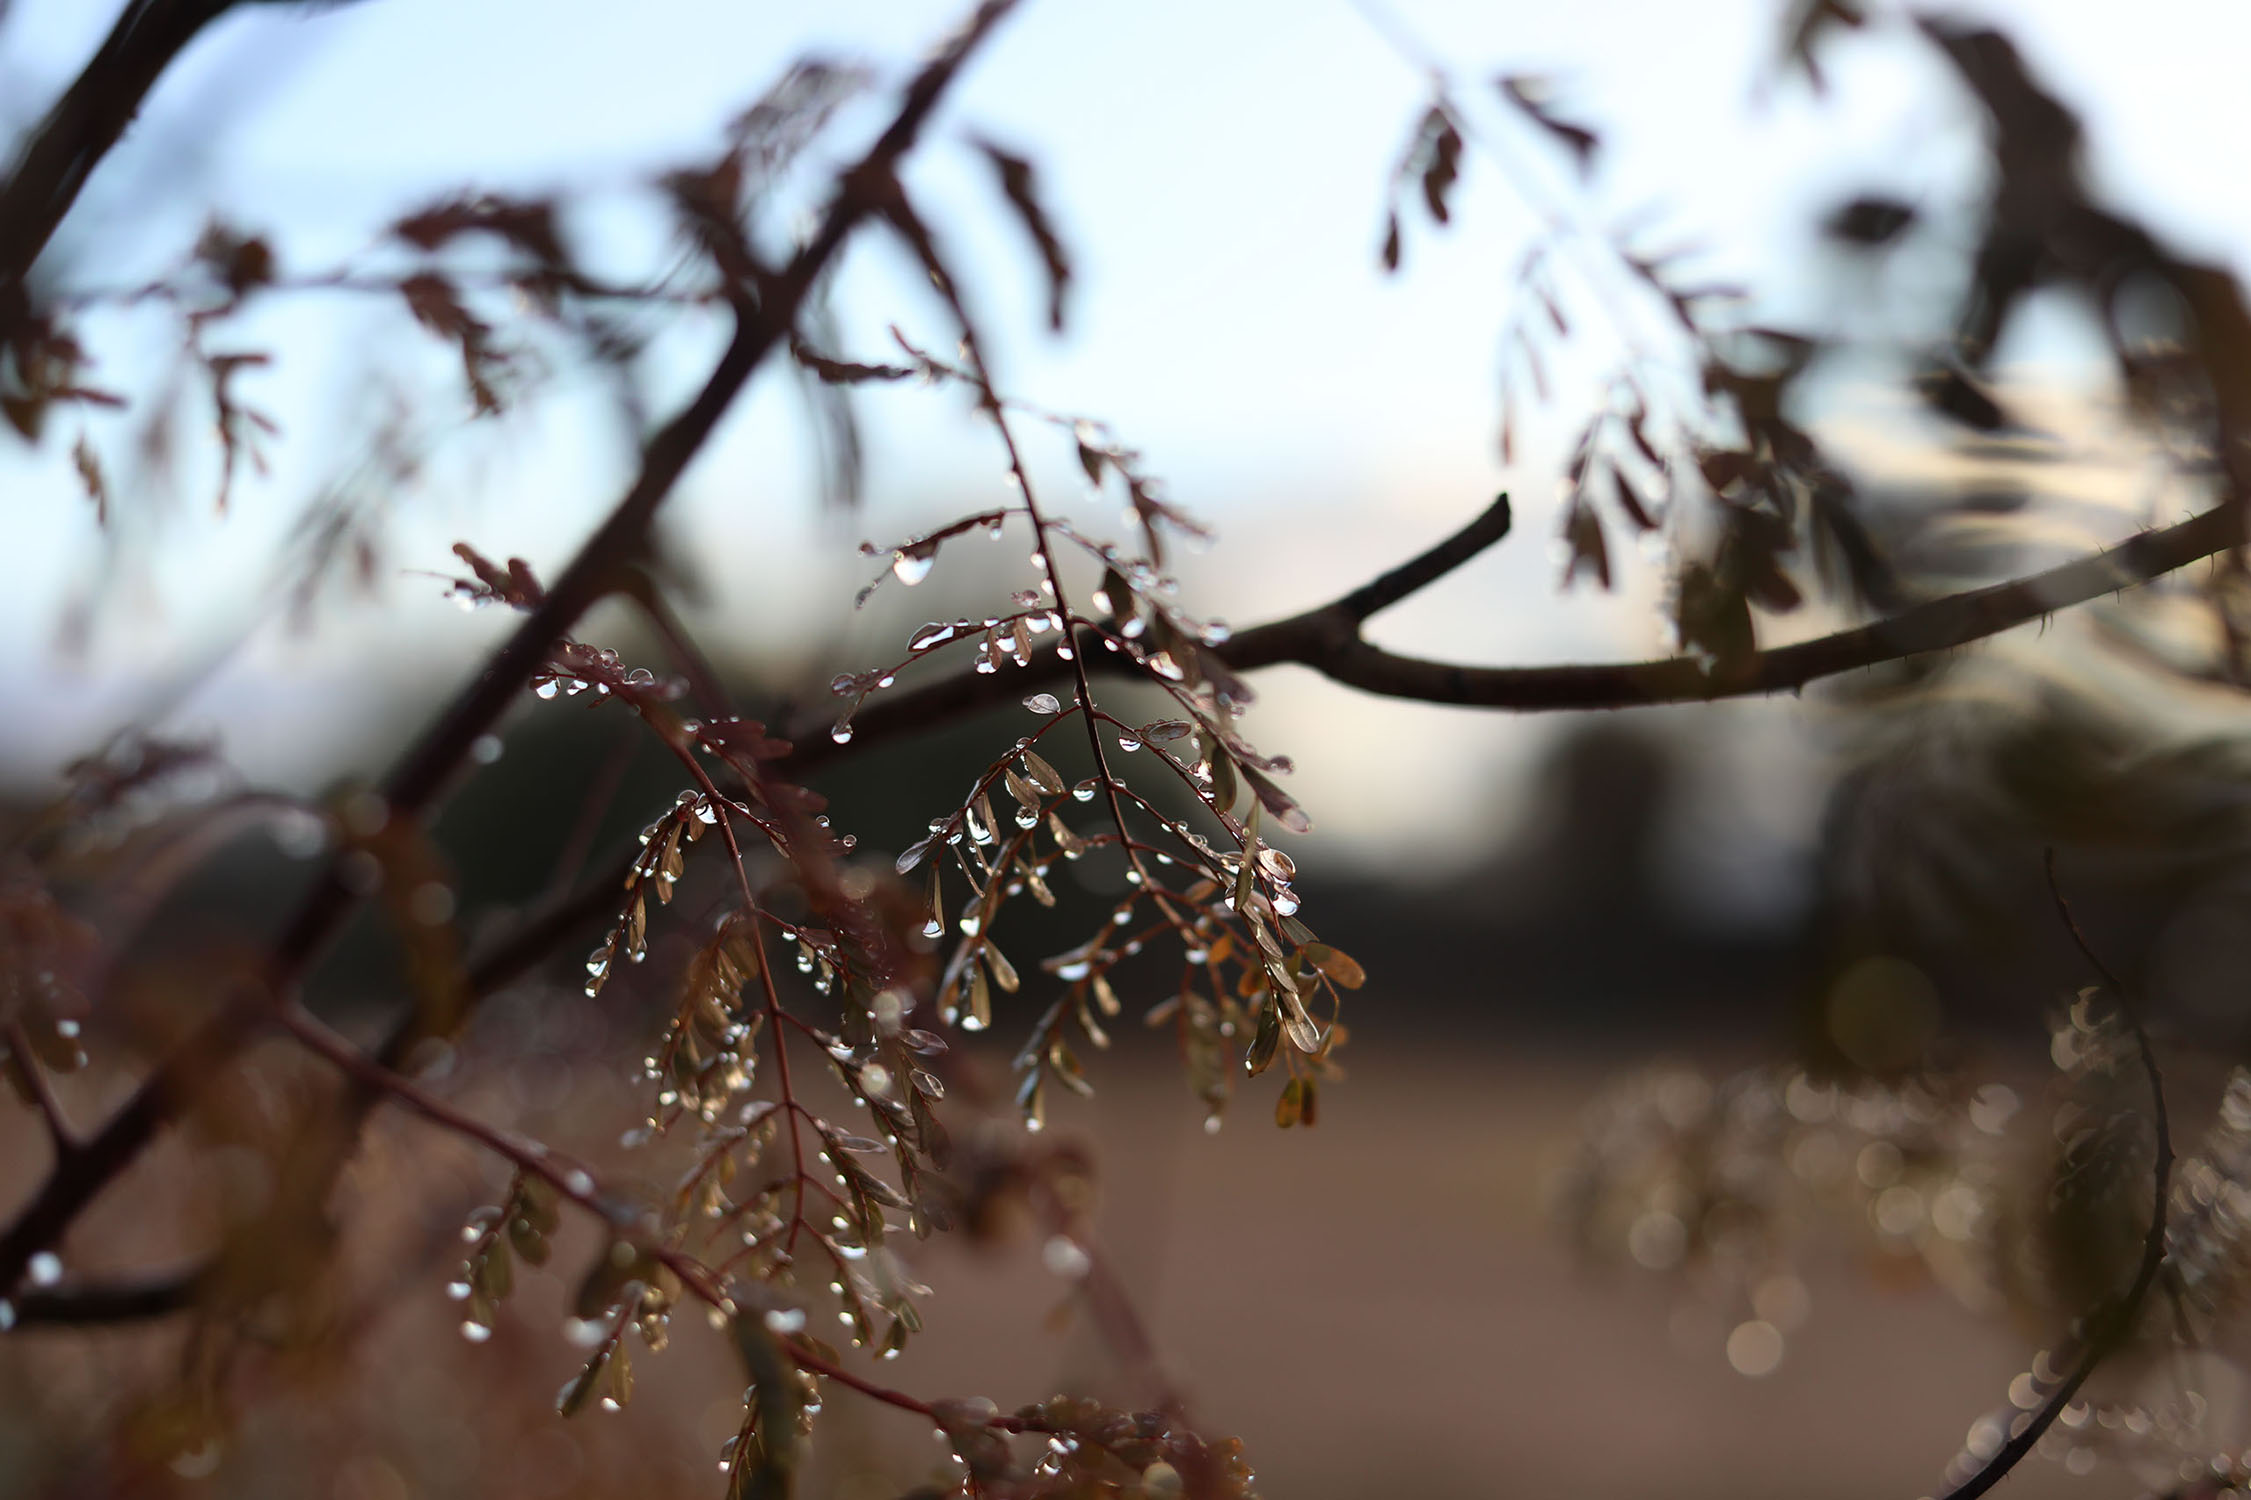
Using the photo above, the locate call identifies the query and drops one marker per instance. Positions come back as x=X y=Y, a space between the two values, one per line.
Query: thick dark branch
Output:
x=761 y=322
x=1421 y=572
x=1328 y=640
x=109 y=1302
x=85 y=123
x=1955 y=620
x=2114 y=1325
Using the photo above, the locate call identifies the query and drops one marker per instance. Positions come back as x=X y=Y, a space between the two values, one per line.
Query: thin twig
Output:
x=135 y=1301
x=2112 y=1327
x=33 y=1078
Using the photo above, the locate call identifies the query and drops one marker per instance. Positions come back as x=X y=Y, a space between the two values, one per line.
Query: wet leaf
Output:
x=1278 y=803
x=1340 y=967
x=1266 y=1039
x=1004 y=972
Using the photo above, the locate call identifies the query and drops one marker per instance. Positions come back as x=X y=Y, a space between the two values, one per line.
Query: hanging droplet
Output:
x=911 y=567
x=1043 y=703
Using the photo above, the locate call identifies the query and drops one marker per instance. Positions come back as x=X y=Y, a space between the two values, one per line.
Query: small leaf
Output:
x=1280 y=804
x=1340 y=967
x=1043 y=775
x=1442 y=164
x=1582 y=534
x=1530 y=96
x=1266 y=1039
x=1004 y=972
x=1019 y=184
x=1224 y=786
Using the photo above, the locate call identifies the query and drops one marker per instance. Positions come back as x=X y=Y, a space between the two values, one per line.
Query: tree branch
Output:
x=1328 y=640
x=82 y=126
x=110 y=1302
x=2116 y=1324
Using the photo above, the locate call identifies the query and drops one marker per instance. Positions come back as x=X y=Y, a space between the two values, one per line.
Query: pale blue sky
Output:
x=1219 y=167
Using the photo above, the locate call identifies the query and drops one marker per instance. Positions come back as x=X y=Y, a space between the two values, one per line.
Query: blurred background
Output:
x=1554 y=910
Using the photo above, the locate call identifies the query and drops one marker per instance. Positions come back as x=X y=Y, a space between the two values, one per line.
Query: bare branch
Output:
x=1956 y=620
x=1421 y=572
x=84 y=124
x=2114 y=1325
x=1328 y=640
x=135 y=1301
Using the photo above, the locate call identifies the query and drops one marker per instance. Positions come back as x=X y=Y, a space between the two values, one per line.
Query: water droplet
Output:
x=911 y=567
x=46 y=1268
x=547 y=689
x=842 y=733
x=1043 y=703
x=474 y=1331
x=1066 y=1257
x=1128 y=743
x=1084 y=791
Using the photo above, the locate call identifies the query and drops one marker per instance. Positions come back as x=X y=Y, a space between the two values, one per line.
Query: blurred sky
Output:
x=1219 y=169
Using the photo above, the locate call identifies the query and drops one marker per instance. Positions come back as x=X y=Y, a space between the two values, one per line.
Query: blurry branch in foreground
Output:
x=2102 y=1330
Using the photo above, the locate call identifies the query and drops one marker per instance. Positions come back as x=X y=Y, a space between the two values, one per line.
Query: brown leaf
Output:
x=1582 y=533
x=1020 y=185
x=1442 y=162
x=1530 y=95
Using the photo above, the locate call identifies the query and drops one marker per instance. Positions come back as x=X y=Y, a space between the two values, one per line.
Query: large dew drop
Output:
x=910 y=568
